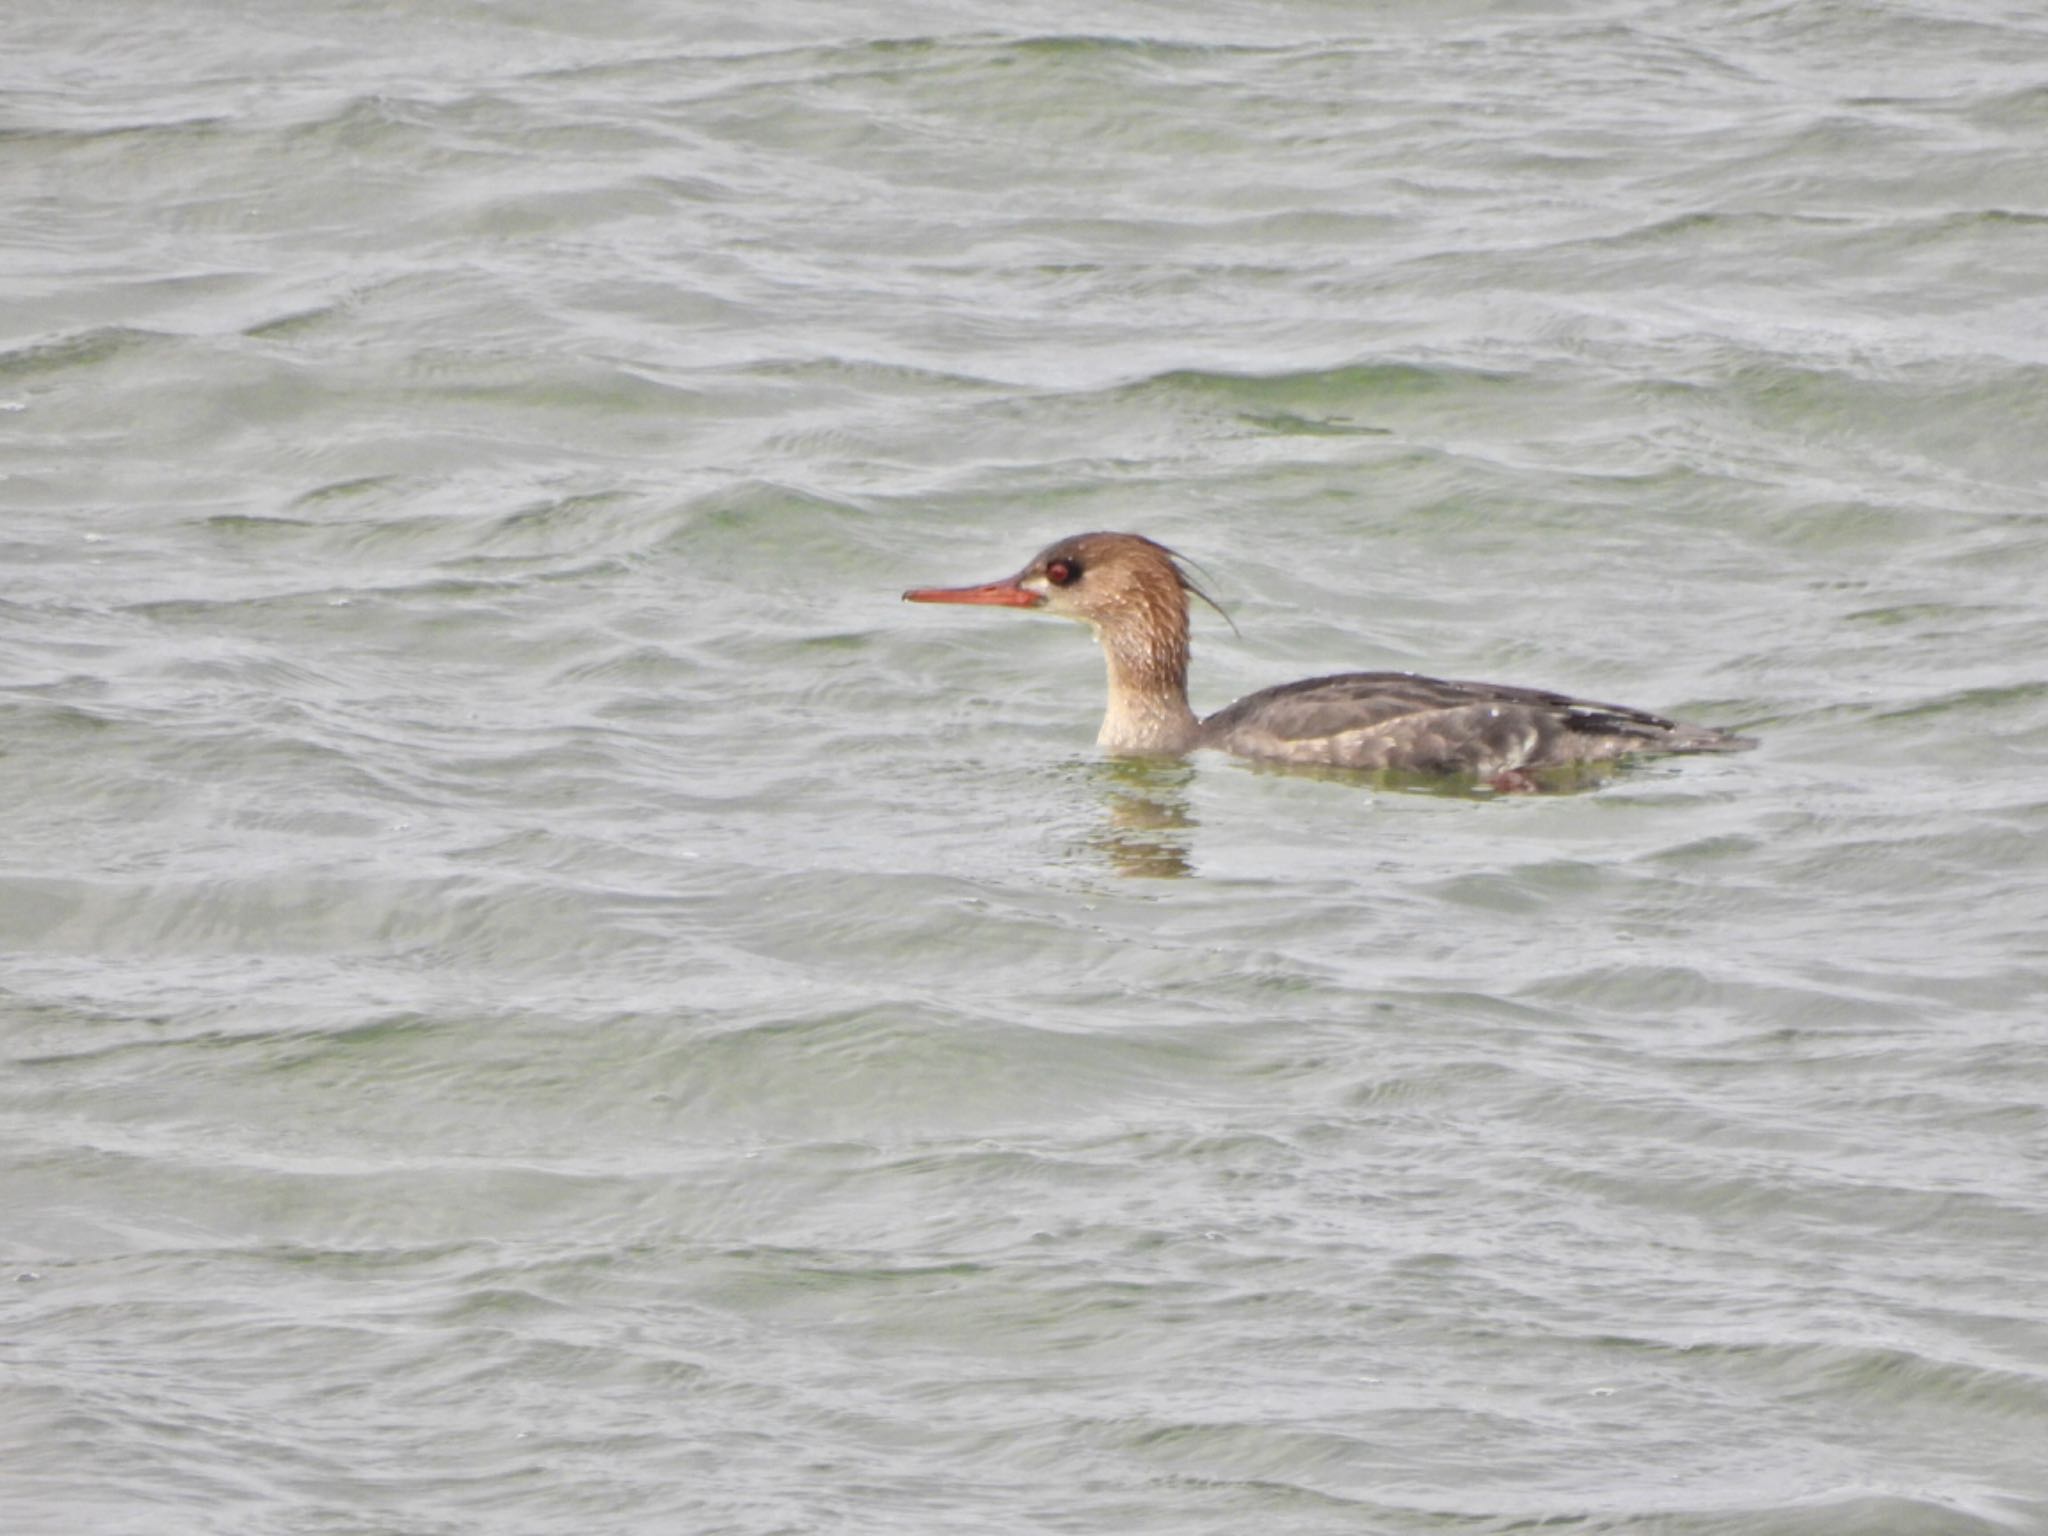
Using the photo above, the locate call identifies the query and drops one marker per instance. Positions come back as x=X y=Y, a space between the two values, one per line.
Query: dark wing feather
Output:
x=1402 y=721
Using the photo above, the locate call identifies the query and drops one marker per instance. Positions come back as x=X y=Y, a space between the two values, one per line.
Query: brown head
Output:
x=1098 y=578
x=1134 y=594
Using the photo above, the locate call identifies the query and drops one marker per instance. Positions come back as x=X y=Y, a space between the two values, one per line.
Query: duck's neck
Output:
x=1147 y=651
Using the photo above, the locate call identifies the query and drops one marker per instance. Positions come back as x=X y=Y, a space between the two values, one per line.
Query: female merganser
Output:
x=1134 y=594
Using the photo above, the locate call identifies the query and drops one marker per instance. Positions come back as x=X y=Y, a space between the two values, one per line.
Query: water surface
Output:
x=538 y=997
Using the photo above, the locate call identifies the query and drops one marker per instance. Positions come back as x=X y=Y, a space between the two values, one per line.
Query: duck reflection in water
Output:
x=1147 y=830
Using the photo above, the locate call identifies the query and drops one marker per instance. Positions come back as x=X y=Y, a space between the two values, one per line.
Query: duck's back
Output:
x=1399 y=722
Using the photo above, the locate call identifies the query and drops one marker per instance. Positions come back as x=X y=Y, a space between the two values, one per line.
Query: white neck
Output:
x=1148 y=710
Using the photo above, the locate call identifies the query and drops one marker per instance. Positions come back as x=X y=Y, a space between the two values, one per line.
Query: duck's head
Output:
x=1113 y=581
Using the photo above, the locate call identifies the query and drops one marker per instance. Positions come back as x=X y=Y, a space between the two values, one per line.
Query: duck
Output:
x=1136 y=594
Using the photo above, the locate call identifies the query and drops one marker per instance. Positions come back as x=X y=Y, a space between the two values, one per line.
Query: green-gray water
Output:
x=537 y=997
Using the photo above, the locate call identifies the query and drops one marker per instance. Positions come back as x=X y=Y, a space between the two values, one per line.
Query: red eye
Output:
x=1060 y=572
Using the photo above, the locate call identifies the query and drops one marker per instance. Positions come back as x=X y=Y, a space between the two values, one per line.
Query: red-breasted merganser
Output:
x=1134 y=594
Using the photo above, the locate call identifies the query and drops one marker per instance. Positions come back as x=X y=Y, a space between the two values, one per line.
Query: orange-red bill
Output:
x=1001 y=594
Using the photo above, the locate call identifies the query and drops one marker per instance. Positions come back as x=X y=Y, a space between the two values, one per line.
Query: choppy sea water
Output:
x=537 y=997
